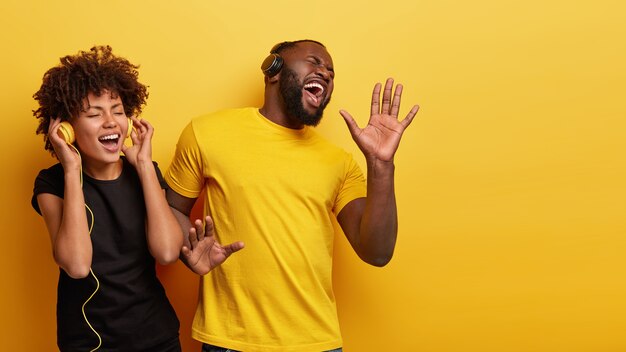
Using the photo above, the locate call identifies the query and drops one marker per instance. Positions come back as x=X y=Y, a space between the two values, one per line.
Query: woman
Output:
x=106 y=214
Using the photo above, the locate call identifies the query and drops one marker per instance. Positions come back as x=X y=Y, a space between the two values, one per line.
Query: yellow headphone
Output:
x=67 y=132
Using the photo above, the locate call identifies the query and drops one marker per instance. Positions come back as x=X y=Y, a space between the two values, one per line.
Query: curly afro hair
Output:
x=65 y=87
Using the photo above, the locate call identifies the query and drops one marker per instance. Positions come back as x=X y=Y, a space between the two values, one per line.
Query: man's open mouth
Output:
x=315 y=91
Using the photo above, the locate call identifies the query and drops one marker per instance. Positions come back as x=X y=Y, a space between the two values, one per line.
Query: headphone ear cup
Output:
x=272 y=65
x=66 y=132
x=130 y=128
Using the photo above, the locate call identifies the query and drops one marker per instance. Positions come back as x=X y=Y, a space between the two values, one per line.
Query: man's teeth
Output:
x=313 y=85
x=109 y=137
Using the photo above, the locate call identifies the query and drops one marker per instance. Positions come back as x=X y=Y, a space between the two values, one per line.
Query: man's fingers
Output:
x=196 y=233
x=234 y=247
x=199 y=229
x=395 y=104
x=208 y=227
x=387 y=96
x=375 y=100
x=352 y=125
x=186 y=251
x=193 y=237
x=409 y=117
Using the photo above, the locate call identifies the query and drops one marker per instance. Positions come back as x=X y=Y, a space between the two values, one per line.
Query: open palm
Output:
x=206 y=253
x=381 y=137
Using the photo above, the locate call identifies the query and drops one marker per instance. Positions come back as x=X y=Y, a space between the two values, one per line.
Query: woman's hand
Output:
x=141 y=136
x=66 y=153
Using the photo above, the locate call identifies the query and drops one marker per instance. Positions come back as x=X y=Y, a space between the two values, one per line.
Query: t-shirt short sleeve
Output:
x=160 y=176
x=185 y=175
x=48 y=181
x=354 y=185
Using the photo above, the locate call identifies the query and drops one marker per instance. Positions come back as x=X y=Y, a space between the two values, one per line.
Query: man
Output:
x=267 y=176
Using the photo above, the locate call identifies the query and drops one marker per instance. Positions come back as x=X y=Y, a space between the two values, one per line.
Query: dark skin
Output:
x=369 y=223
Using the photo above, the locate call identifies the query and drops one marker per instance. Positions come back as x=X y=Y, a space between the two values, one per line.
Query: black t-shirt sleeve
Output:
x=51 y=181
x=160 y=176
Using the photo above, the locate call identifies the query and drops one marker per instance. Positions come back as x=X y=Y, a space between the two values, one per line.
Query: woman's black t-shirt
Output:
x=129 y=310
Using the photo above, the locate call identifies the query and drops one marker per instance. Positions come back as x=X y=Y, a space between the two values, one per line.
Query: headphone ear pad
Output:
x=272 y=65
x=130 y=128
x=66 y=132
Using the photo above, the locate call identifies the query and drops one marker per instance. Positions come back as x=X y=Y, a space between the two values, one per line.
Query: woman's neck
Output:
x=105 y=171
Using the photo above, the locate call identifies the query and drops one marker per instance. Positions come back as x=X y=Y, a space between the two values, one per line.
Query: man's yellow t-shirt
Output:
x=278 y=190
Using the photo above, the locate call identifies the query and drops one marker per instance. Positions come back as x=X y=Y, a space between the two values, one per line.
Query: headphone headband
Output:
x=273 y=63
x=278 y=47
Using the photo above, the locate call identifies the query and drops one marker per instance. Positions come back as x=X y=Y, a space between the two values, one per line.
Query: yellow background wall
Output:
x=510 y=183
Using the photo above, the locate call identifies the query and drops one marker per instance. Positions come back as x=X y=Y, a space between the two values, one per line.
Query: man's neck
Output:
x=280 y=117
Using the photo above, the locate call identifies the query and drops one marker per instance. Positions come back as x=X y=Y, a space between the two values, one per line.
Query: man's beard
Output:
x=291 y=91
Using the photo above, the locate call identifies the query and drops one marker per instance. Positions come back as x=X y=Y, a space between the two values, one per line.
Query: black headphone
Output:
x=273 y=62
